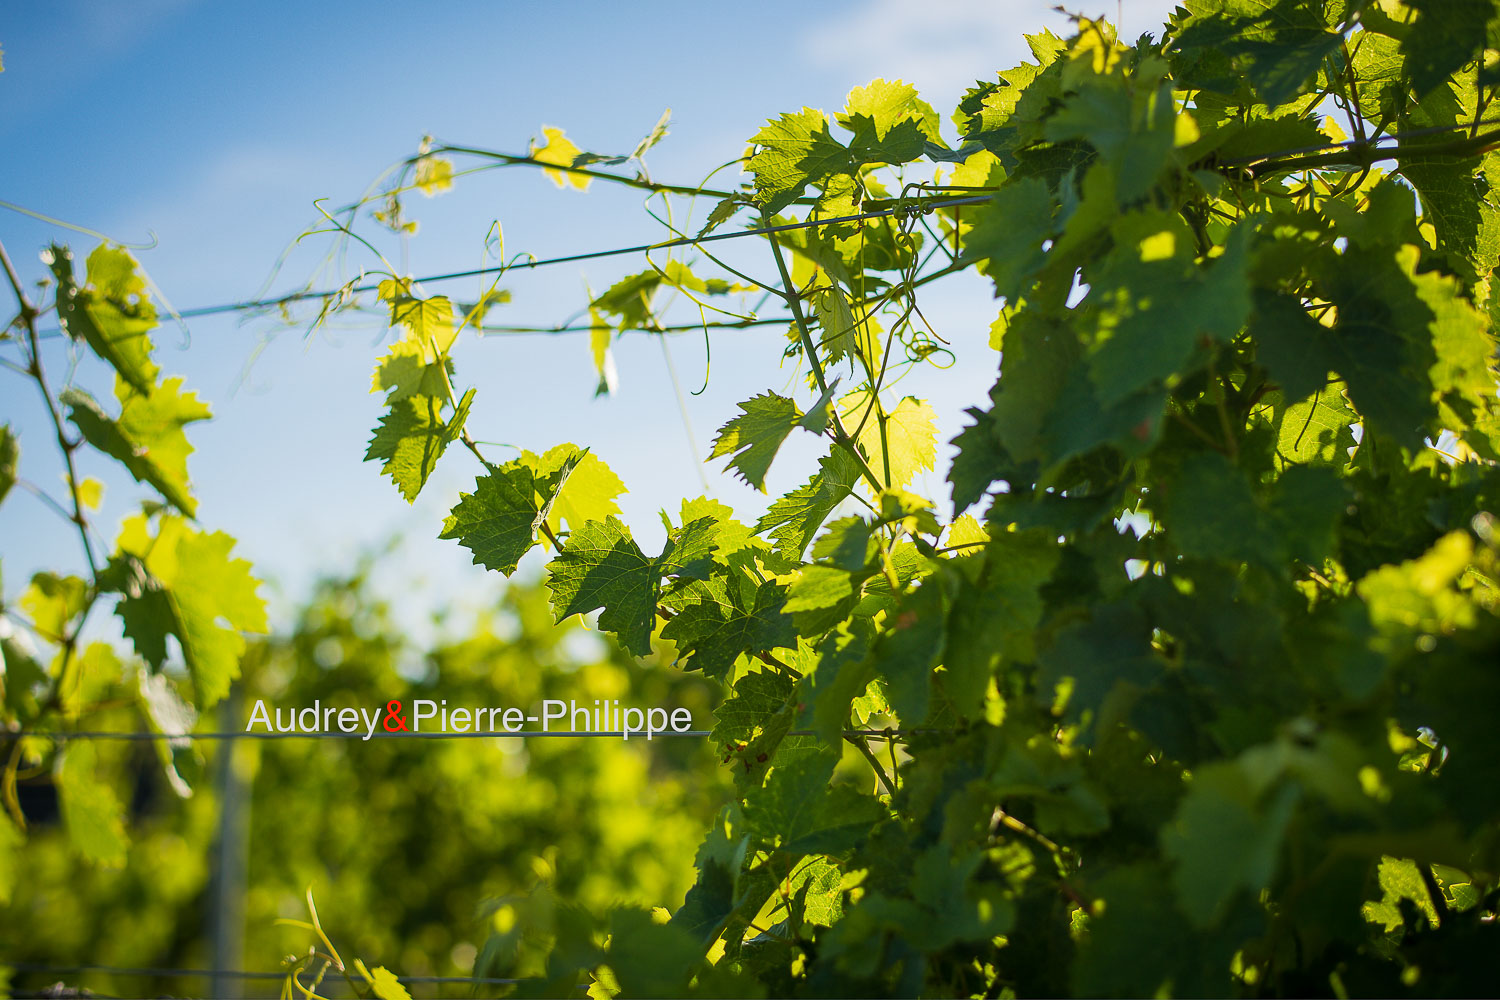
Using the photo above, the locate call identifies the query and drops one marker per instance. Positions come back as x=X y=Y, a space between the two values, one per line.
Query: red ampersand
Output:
x=393 y=714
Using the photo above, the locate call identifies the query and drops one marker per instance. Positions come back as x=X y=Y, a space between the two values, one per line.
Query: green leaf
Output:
x=629 y=300
x=794 y=519
x=147 y=437
x=1419 y=595
x=386 y=986
x=1461 y=200
x=499 y=521
x=753 y=438
x=600 y=334
x=405 y=370
x=112 y=314
x=717 y=628
x=650 y=959
x=799 y=810
x=91 y=812
x=715 y=896
x=427 y=322
x=587 y=494
x=10 y=457
x=881 y=105
x=1088 y=660
x=1152 y=312
x=52 y=602
x=1278 y=46
x=979 y=461
x=1007 y=236
x=1318 y=429
x=910 y=647
x=996 y=619
x=168 y=713
x=11 y=841
x=182 y=582
x=891 y=124
x=795 y=150
x=1384 y=339
x=910 y=431
x=412 y=436
x=1400 y=880
x=1294 y=347
x=843 y=673
x=1445 y=36
x=1210 y=512
x=1226 y=837
x=1132 y=136
x=758 y=703
x=601 y=566
x=1463 y=347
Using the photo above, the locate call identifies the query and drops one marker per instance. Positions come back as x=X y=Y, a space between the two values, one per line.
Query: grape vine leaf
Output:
x=589 y=492
x=1210 y=511
x=183 y=582
x=716 y=627
x=112 y=314
x=799 y=808
x=1153 y=311
x=1318 y=429
x=412 y=436
x=1225 y=837
x=1444 y=37
x=881 y=105
x=1292 y=345
x=794 y=519
x=559 y=150
x=147 y=437
x=601 y=566
x=997 y=618
x=910 y=647
x=91 y=812
x=499 y=521
x=843 y=672
x=910 y=432
x=417 y=363
x=795 y=150
x=10 y=457
x=52 y=601
x=11 y=840
x=753 y=438
x=1277 y=47
x=1383 y=336
x=758 y=701
x=891 y=124
x=1008 y=233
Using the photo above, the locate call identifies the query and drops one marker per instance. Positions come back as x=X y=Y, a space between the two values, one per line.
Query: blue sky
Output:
x=214 y=126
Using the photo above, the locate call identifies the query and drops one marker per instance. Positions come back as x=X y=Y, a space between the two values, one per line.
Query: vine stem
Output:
x=1364 y=153
x=38 y=374
x=864 y=748
x=840 y=436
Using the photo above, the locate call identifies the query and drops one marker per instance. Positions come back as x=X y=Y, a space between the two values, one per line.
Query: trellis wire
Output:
x=164 y=973
x=223 y=735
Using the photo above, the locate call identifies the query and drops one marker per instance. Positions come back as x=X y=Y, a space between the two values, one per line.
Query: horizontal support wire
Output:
x=911 y=208
x=132 y=736
x=164 y=973
x=1381 y=145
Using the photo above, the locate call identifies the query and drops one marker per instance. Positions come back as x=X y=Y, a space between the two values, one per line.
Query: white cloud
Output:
x=943 y=46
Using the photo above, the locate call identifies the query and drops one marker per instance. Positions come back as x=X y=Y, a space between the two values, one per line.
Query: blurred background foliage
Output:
x=413 y=849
